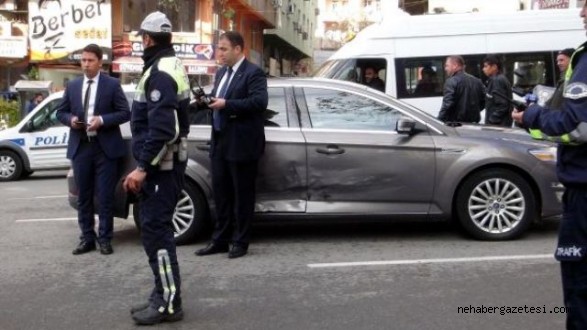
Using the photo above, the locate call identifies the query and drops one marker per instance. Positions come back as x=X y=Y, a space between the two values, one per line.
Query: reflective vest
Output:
x=579 y=134
x=173 y=67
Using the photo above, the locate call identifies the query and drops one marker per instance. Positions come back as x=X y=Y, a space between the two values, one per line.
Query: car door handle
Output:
x=331 y=149
x=204 y=147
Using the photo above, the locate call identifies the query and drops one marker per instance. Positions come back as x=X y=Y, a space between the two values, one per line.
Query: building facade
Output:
x=289 y=46
x=43 y=39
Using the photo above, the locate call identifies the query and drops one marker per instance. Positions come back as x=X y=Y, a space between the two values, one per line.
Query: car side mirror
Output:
x=405 y=126
x=29 y=126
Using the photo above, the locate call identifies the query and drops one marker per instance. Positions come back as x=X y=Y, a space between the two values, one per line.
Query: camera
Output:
x=201 y=95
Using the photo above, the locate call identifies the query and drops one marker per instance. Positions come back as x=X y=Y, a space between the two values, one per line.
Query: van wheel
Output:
x=495 y=205
x=10 y=166
x=190 y=218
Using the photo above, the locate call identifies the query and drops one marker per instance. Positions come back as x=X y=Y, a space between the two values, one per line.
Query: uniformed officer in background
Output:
x=568 y=127
x=159 y=128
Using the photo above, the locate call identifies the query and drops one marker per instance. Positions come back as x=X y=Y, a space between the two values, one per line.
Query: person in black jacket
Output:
x=497 y=109
x=238 y=103
x=372 y=79
x=464 y=94
x=160 y=126
x=563 y=60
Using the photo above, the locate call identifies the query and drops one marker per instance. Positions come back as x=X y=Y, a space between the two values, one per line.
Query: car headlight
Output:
x=544 y=154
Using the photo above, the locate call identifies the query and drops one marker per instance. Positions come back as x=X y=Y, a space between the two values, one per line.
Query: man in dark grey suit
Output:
x=239 y=99
x=94 y=106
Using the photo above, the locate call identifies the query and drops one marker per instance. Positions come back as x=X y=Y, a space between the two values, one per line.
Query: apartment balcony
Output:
x=259 y=10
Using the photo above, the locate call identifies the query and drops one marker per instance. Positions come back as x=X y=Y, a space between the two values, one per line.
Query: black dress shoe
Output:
x=139 y=307
x=237 y=252
x=212 y=249
x=84 y=247
x=106 y=248
x=150 y=315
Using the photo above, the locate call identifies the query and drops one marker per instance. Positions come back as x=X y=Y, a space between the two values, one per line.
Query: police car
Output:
x=39 y=141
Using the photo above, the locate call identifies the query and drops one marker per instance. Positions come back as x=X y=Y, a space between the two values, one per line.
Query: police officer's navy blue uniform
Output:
x=160 y=127
x=568 y=126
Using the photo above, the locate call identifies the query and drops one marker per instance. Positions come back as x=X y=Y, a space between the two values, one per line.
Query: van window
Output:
x=352 y=69
x=428 y=72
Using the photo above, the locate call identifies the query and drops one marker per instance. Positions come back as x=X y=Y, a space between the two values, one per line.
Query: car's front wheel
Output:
x=190 y=217
x=495 y=204
x=10 y=166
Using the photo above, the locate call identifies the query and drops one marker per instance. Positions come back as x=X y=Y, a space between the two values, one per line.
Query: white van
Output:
x=406 y=48
x=38 y=141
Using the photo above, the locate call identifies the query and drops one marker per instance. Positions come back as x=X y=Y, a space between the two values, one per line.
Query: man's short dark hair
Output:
x=493 y=60
x=458 y=59
x=94 y=49
x=235 y=38
x=568 y=52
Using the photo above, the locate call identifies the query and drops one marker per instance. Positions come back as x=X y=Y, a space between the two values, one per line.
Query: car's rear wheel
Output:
x=190 y=217
x=10 y=166
x=495 y=204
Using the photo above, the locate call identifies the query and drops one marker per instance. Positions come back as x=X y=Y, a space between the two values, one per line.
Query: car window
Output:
x=276 y=113
x=45 y=118
x=344 y=110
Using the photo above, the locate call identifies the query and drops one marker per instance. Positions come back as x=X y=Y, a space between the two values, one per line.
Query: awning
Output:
x=133 y=64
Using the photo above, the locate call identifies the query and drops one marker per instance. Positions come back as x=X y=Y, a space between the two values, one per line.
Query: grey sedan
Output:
x=337 y=149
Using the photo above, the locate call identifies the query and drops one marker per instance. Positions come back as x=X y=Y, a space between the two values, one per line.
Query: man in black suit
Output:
x=239 y=99
x=94 y=106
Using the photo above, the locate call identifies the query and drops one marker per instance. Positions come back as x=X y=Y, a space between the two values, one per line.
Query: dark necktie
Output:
x=216 y=119
x=87 y=100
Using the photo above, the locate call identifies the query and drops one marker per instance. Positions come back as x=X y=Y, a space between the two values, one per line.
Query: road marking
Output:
x=431 y=261
x=54 y=219
x=46 y=220
x=37 y=197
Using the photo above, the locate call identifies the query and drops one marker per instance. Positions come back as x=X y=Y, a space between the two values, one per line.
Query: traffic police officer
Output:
x=568 y=127
x=159 y=128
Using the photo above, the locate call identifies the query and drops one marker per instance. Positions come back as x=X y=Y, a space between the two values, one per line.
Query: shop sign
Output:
x=59 y=30
x=550 y=4
x=196 y=69
x=13 y=47
x=186 y=45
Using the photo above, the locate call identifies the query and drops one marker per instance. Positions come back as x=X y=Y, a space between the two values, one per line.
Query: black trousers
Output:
x=573 y=234
x=95 y=173
x=159 y=196
x=234 y=194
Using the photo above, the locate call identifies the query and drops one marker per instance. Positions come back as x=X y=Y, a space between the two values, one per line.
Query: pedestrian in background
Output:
x=94 y=106
x=498 y=111
x=562 y=61
x=463 y=96
x=372 y=79
x=238 y=140
x=567 y=125
x=160 y=126
x=36 y=100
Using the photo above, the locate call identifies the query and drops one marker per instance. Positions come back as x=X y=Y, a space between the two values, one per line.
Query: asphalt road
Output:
x=296 y=276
